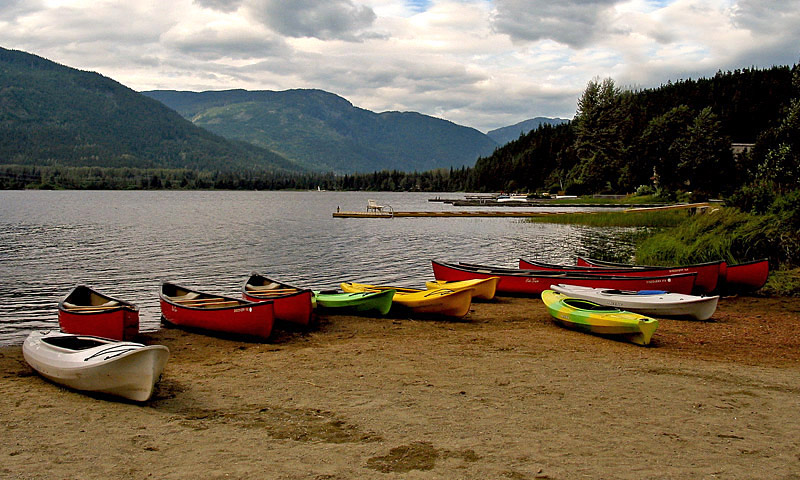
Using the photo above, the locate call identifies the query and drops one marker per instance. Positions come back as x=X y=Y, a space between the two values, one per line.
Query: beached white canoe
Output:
x=654 y=303
x=94 y=364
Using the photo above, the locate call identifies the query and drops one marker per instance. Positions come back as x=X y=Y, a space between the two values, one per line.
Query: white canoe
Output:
x=94 y=364
x=647 y=302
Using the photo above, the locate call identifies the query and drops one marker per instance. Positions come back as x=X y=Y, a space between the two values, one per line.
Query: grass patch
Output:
x=784 y=282
x=652 y=219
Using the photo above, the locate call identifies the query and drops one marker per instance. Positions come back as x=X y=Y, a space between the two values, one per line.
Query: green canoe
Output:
x=380 y=302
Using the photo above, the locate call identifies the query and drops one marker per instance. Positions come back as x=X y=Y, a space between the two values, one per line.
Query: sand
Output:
x=504 y=394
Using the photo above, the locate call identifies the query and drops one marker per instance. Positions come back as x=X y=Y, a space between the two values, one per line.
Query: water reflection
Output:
x=126 y=243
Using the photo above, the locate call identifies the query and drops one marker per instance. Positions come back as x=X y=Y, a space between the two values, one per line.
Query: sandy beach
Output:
x=503 y=394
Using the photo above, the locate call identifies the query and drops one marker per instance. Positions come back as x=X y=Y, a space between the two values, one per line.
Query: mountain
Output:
x=509 y=134
x=324 y=132
x=51 y=114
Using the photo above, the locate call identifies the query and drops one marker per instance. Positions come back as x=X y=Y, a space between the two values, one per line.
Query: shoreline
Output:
x=505 y=393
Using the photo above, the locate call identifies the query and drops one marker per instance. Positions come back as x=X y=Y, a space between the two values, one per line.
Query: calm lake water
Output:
x=125 y=243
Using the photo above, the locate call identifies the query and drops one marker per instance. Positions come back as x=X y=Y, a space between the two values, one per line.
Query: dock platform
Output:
x=454 y=213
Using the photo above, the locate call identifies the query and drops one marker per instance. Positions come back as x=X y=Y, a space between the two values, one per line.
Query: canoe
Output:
x=342 y=302
x=748 y=276
x=291 y=304
x=442 y=301
x=184 y=307
x=93 y=364
x=529 y=282
x=656 y=303
x=482 y=288
x=88 y=312
x=591 y=317
x=708 y=274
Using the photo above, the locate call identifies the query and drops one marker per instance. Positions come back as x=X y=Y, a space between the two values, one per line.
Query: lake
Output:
x=125 y=243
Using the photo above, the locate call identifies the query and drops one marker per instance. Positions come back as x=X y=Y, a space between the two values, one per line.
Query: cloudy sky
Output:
x=480 y=63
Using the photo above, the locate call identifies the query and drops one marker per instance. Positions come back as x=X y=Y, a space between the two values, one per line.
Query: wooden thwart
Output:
x=87 y=308
x=199 y=300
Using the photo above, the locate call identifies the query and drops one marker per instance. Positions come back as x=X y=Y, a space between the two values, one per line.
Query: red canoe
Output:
x=292 y=304
x=747 y=276
x=189 y=308
x=88 y=312
x=709 y=274
x=535 y=282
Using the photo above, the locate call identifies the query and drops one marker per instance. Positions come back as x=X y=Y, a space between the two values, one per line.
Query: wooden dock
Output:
x=454 y=213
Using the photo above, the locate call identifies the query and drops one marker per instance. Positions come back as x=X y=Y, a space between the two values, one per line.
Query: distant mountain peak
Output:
x=509 y=134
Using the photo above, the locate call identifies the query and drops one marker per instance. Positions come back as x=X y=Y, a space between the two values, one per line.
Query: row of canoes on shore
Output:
x=93 y=350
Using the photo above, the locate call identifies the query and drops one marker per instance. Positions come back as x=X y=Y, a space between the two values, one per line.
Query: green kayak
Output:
x=354 y=302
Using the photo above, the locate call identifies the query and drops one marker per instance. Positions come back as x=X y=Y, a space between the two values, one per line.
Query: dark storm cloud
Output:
x=323 y=19
x=571 y=22
x=226 y=6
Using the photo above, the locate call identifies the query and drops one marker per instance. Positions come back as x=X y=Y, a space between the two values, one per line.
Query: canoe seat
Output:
x=188 y=296
x=110 y=303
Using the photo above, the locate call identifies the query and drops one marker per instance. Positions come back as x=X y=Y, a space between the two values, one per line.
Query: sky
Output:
x=479 y=63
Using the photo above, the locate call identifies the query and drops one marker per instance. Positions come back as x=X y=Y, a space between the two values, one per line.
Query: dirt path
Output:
x=505 y=394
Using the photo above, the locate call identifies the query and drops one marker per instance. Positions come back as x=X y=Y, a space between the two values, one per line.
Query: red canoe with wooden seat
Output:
x=531 y=282
x=184 y=307
x=748 y=276
x=292 y=304
x=709 y=274
x=88 y=312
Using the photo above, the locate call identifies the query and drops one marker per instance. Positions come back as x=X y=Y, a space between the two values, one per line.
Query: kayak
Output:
x=340 y=302
x=586 y=316
x=94 y=364
x=657 y=303
x=88 y=312
x=291 y=304
x=184 y=307
x=482 y=288
x=529 y=282
x=442 y=301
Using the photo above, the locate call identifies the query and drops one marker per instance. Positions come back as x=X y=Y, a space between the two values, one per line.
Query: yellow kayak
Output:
x=482 y=288
x=441 y=301
x=591 y=317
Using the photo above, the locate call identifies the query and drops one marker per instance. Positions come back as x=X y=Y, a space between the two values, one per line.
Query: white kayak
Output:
x=94 y=364
x=655 y=303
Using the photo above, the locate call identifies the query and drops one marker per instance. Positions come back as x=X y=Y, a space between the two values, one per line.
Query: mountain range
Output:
x=508 y=134
x=51 y=114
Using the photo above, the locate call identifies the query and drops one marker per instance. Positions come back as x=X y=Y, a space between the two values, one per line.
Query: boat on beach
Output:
x=708 y=279
x=444 y=302
x=86 y=311
x=583 y=315
x=482 y=288
x=185 y=307
x=94 y=364
x=529 y=282
x=747 y=276
x=362 y=302
x=291 y=304
x=656 y=303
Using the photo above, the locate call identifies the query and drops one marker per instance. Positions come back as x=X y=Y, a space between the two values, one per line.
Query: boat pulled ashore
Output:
x=94 y=364
x=185 y=307
x=482 y=288
x=291 y=304
x=86 y=311
x=361 y=302
x=656 y=303
x=707 y=280
x=530 y=282
x=583 y=315
x=441 y=301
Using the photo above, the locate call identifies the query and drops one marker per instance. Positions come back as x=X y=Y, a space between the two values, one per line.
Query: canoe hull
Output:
x=657 y=304
x=708 y=278
x=748 y=276
x=361 y=302
x=295 y=307
x=88 y=312
x=533 y=283
x=233 y=316
x=482 y=288
x=605 y=321
x=124 y=369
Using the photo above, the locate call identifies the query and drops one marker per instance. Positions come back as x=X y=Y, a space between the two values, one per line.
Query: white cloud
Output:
x=481 y=63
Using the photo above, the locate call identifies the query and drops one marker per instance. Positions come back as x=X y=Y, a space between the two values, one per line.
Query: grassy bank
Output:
x=675 y=238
